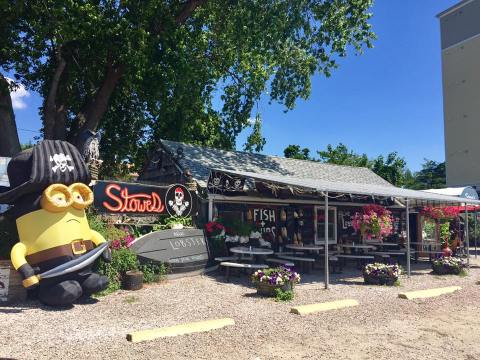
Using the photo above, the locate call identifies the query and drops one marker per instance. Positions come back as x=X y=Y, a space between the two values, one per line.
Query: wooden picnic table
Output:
x=379 y=243
x=244 y=250
x=308 y=247
x=306 y=261
x=258 y=254
x=357 y=246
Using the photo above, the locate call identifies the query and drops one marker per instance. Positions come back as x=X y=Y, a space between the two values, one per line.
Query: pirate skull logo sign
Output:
x=237 y=183
x=61 y=162
x=179 y=201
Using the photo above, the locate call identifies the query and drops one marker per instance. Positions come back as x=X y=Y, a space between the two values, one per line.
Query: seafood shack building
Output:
x=287 y=199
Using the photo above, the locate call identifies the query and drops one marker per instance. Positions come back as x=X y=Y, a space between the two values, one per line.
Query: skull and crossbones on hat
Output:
x=61 y=162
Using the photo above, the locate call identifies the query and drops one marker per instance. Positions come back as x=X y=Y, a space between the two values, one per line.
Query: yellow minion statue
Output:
x=57 y=248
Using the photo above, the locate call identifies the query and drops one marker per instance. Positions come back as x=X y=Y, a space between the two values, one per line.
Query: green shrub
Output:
x=153 y=272
x=167 y=222
x=123 y=260
x=281 y=295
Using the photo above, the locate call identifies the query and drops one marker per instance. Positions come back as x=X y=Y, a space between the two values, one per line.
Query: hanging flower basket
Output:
x=374 y=222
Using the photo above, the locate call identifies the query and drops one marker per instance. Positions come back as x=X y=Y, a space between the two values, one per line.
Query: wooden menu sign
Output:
x=183 y=250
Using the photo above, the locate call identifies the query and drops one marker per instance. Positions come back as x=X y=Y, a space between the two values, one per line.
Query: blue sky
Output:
x=388 y=99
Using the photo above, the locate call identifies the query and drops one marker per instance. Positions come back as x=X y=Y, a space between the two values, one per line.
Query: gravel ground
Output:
x=382 y=327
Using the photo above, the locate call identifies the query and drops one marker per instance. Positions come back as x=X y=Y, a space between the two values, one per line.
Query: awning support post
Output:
x=210 y=209
x=475 y=231
x=408 y=238
x=467 y=235
x=327 y=274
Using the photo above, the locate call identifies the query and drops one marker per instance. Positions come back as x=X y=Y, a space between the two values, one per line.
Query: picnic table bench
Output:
x=359 y=258
x=280 y=261
x=307 y=262
x=228 y=265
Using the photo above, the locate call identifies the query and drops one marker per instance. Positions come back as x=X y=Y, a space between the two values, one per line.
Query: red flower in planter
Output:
x=214 y=228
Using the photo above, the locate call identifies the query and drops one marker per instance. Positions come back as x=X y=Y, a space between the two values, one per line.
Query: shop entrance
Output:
x=320 y=225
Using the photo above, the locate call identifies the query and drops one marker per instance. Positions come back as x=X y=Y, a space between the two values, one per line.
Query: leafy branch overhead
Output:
x=392 y=168
x=182 y=70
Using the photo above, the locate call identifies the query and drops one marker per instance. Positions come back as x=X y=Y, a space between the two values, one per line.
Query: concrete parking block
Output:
x=421 y=294
x=189 y=328
x=331 y=305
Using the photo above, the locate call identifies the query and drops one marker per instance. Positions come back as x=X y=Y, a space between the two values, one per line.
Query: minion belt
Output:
x=72 y=250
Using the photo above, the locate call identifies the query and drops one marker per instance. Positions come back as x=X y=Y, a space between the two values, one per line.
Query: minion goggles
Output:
x=58 y=197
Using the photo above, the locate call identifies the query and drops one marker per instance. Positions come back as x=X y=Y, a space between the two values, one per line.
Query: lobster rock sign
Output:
x=135 y=198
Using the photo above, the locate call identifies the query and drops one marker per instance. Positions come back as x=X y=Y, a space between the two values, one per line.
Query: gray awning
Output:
x=416 y=196
x=463 y=192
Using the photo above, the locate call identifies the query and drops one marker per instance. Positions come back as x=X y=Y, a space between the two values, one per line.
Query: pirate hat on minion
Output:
x=32 y=171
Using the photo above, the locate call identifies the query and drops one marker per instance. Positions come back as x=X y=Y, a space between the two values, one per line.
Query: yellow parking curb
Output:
x=332 y=305
x=420 y=294
x=199 y=326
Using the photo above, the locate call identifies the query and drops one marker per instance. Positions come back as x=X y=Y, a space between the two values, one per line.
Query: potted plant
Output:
x=270 y=279
x=122 y=271
x=374 y=222
x=216 y=238
x=381 y=274
x=177 y=222
x=445 y=265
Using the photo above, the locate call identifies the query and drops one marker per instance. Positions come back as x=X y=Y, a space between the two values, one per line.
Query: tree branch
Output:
x=188 y=8
x=50 y=108
x=96 y=108
x=9 y=142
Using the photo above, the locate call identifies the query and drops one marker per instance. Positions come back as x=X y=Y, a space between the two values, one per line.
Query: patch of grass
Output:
x=131 y=299
x=463 y=273
x=397 y=283
x=281 y=295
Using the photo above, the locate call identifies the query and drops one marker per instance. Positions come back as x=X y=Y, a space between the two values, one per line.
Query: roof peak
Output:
x=267 y=156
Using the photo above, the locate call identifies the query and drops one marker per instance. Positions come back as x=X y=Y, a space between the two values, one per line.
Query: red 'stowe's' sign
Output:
x=135 y=198
x=131 y=203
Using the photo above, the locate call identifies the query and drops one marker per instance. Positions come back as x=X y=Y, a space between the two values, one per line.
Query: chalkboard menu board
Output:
x=183 y=250
x=344 y=226
x=399 y=223
x=264 y=218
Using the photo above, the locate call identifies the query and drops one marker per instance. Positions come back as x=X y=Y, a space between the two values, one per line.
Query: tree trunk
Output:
x=50 y=110
x=9 y=142
x=90 y=117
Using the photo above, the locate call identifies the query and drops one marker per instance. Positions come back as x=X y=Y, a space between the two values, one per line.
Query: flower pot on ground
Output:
x=217 y=246
x=132 y=280
x=266 y=281
x=266 y=289
x=381 y=274
x=447 y=265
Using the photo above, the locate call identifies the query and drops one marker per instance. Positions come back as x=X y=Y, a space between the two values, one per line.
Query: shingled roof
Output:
x=200 y=160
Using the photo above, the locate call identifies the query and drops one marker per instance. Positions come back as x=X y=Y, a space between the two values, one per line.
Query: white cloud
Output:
x=18 y=96
x=251 y=121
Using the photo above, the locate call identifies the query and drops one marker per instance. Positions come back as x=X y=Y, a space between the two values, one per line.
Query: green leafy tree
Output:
x=255 y=141
x=341 y=155
x=392 y=168
x=294 y=152
x=141 y=70
x=431 y=176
